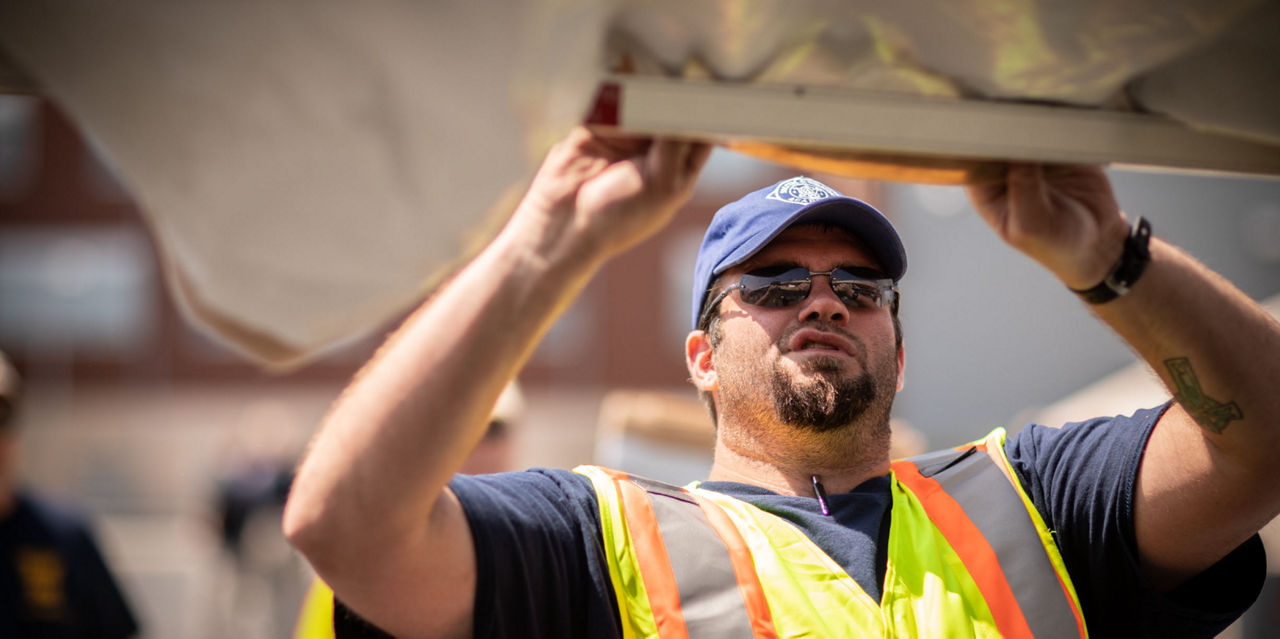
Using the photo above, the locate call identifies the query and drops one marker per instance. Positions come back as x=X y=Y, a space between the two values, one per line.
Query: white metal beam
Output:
x=836 y=119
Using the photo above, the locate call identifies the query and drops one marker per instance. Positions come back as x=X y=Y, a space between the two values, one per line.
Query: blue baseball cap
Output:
x=741 y=228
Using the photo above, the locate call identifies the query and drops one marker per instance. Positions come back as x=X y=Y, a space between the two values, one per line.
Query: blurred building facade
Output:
x=141 y=417
x=136 y=414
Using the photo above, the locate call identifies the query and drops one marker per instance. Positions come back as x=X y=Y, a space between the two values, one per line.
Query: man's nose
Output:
x=822 y=304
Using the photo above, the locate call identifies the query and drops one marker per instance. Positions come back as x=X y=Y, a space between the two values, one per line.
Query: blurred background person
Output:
x=260 y=579
x=53 y=580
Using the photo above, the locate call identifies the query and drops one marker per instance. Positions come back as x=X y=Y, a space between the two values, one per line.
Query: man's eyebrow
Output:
x=869 y=272
x=754 y=265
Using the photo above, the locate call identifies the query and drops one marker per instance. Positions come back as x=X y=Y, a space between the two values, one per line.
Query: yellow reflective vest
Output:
x=968 y=556
x=315 y=617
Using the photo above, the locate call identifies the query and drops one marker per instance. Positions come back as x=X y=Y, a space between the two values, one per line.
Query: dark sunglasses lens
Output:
x=784 y=289
x=859 y=291
x=858 y=295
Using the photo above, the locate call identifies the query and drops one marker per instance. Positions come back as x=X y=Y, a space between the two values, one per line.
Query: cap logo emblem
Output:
x=802 y=191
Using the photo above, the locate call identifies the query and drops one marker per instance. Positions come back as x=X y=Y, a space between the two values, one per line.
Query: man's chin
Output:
x=822 y=398
x=821 y=427
x=828 y=366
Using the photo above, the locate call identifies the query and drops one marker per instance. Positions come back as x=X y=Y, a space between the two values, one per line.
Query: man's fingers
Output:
x=1028 y=198
x=623 y=147
x=677 y=162
x=611 y=145
x=989 y=200
x=699 y=153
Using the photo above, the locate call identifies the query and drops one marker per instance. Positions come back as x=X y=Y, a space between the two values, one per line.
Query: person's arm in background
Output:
x=370 y=508
x=1207 y=479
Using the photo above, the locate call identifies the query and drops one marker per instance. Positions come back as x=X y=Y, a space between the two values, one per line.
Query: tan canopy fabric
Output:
x=309 y=167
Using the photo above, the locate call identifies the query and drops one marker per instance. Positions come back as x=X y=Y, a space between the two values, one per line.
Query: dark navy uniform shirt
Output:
x=53 y=581
x=541 y=570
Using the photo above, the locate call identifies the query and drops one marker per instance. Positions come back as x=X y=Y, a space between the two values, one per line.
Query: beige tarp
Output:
x=308 y=167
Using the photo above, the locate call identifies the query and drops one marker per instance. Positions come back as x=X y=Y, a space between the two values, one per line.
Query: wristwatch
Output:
x=1137 y=253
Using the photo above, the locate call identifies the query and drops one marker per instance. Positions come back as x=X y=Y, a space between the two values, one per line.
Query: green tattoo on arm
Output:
x=1210 y=413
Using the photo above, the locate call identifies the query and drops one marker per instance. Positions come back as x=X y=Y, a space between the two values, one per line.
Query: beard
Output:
x=826 y=401
x=823 y=397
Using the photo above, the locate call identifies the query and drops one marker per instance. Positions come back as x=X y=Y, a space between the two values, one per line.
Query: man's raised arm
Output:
x=1206 y=483
x=370 y=508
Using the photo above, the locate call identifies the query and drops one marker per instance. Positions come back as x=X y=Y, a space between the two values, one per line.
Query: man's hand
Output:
x=1209 y=477
x=1065 y=217
x=601 y=195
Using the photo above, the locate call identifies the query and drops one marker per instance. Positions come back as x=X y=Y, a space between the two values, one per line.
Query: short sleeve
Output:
x=539 y=558
x=1083 y=479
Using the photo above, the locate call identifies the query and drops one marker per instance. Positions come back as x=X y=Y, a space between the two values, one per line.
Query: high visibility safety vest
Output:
x=315 y=617
x=968 y=556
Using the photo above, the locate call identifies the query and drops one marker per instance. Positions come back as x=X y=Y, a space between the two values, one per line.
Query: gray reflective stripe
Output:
x=931 y=464
x=978 y=485
x=709 y=596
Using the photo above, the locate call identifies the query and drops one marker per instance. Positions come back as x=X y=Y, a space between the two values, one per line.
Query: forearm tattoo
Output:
x=1210 y=413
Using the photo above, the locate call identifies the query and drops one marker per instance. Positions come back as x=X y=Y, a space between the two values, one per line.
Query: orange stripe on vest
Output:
x=971 y=546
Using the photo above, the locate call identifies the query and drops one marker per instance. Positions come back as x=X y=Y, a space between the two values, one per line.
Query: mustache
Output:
x=826 y=327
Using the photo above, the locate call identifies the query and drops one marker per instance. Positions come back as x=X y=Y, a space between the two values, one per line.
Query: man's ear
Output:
x=697 y=358
x=902 y=368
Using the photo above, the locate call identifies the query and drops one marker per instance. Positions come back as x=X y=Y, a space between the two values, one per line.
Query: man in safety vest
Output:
x=1113 y=527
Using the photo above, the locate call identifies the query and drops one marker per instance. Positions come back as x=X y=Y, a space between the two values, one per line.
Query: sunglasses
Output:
x=782 y=286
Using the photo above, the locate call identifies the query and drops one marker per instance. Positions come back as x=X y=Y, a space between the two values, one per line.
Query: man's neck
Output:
x=789 y=468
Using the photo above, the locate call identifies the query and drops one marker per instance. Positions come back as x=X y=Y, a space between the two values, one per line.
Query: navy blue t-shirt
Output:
x=542 y=572
x=53 y=581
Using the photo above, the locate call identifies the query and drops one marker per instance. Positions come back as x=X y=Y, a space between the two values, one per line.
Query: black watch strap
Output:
x=1137 y=253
